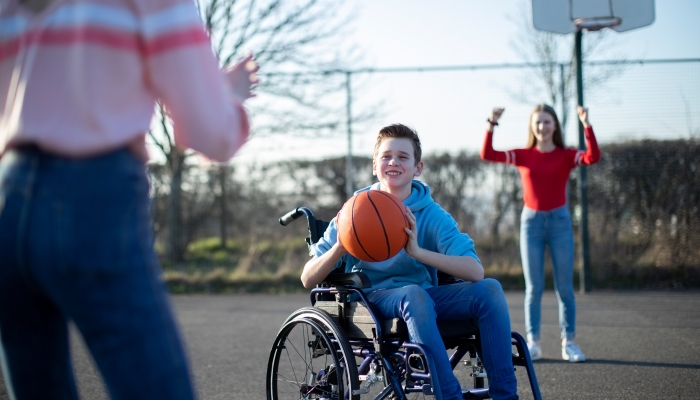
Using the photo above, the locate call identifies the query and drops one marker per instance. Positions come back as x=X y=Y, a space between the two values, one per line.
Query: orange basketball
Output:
x=370 y=225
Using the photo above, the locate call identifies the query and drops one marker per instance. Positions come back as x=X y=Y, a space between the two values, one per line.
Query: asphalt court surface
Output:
x=638 y=344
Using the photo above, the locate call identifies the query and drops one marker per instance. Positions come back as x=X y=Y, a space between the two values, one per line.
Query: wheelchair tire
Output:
x=311 y=359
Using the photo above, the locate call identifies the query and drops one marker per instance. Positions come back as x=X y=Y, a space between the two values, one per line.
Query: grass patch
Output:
x=275 y=267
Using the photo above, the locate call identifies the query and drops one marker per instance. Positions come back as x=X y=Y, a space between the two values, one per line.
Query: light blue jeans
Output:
x=482 y=304
x=553 y=229
x=76 y=245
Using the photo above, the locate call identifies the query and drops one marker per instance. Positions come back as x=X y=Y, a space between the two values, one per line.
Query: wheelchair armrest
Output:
x=449 y=281
x=357 y=279
x=445 y=279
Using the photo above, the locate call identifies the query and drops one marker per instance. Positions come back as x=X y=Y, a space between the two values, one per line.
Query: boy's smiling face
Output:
x=395 y=165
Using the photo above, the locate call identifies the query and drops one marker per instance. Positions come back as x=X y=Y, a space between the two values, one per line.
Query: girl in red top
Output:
x=544 y=166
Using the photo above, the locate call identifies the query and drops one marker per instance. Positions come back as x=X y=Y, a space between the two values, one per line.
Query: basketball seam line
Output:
x=386 y=237
x=399 y=207
x=354 y=230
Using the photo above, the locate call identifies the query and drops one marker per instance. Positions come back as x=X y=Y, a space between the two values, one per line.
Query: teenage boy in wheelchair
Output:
x=405 y=286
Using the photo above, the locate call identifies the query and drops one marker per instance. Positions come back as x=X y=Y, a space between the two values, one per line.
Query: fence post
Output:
x=585 y=272
x=349 y=189
x=564 y=103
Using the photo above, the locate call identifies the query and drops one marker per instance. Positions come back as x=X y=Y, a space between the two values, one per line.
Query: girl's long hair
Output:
x=556 y=138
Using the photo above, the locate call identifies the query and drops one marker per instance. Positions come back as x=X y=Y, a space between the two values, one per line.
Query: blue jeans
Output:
x=481 y=303
x=537 y=230
x=76 y=245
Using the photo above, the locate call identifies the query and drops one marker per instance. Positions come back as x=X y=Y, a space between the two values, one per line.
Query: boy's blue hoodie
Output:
x=437 y=231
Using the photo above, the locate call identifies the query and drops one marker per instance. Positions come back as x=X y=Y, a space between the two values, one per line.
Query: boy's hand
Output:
x=337 y=244
x=412 y=247
x=463 y=267
x=340 y=248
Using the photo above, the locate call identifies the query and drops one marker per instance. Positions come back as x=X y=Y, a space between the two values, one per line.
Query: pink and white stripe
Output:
x=510 y=157
x=83 y=77
x=175 y=26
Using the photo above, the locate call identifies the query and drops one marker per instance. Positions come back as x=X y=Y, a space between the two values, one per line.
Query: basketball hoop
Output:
x=596 y=24
x=570 y=16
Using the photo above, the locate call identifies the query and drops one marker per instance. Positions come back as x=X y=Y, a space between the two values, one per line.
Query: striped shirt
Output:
x=544 y=175
x=81 y=78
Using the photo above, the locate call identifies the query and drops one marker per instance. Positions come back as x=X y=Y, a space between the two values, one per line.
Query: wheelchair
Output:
x=339 y=349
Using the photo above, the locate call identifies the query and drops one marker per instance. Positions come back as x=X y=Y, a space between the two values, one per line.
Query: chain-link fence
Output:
x=643 y=195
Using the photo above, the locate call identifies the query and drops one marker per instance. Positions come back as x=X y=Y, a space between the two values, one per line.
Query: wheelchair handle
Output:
x=287 y=218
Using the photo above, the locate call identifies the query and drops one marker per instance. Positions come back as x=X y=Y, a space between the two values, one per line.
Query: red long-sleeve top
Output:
x=544 y=174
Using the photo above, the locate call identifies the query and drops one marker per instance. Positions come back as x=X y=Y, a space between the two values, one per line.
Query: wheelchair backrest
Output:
x=316 y=229
x=316 y=226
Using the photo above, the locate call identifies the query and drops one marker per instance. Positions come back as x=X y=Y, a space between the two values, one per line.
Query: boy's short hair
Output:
x=399 y=131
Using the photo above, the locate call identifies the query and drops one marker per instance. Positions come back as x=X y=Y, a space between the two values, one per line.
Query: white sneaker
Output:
x=572 y=353
x=535 y=351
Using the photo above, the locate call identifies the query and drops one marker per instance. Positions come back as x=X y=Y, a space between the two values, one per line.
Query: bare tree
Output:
x=507 y=197
x=551 y=79
x=450 y=178
x=645 y=204
x=322 y=182
x=297 y=43
x=298 y=46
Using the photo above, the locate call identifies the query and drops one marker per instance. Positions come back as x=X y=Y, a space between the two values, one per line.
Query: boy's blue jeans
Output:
x=76 y=245
x=537 y=230
x=482 y=302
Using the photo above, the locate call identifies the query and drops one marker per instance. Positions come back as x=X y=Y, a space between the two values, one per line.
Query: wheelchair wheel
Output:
x=311 y=359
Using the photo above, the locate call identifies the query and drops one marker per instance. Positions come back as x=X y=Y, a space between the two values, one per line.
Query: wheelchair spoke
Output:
x=291 y=381
x=312 y=359
x=293 y=371
x=307 y=364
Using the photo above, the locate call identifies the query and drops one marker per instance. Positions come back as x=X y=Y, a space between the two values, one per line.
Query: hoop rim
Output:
x=596 y=23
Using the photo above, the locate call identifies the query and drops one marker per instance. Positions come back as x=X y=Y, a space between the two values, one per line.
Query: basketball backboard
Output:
x=568 y=16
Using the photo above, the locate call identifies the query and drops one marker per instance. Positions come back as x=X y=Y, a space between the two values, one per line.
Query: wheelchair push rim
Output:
x=310 y=359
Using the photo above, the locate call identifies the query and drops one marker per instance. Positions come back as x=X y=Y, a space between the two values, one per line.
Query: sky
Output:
x=414 y=33
x=454 y=32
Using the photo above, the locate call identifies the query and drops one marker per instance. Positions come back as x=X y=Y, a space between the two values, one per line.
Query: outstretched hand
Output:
x=496 y=114
x=583 y=116
x=412 y=246
x=242 y=76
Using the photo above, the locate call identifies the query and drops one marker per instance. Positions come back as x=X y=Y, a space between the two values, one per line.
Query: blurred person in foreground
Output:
x=79 y=80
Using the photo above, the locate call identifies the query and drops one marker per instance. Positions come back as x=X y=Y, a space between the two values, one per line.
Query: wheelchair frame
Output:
x=341 y=325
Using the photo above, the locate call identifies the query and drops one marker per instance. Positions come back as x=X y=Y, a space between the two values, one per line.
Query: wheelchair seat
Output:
x=358 y=322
